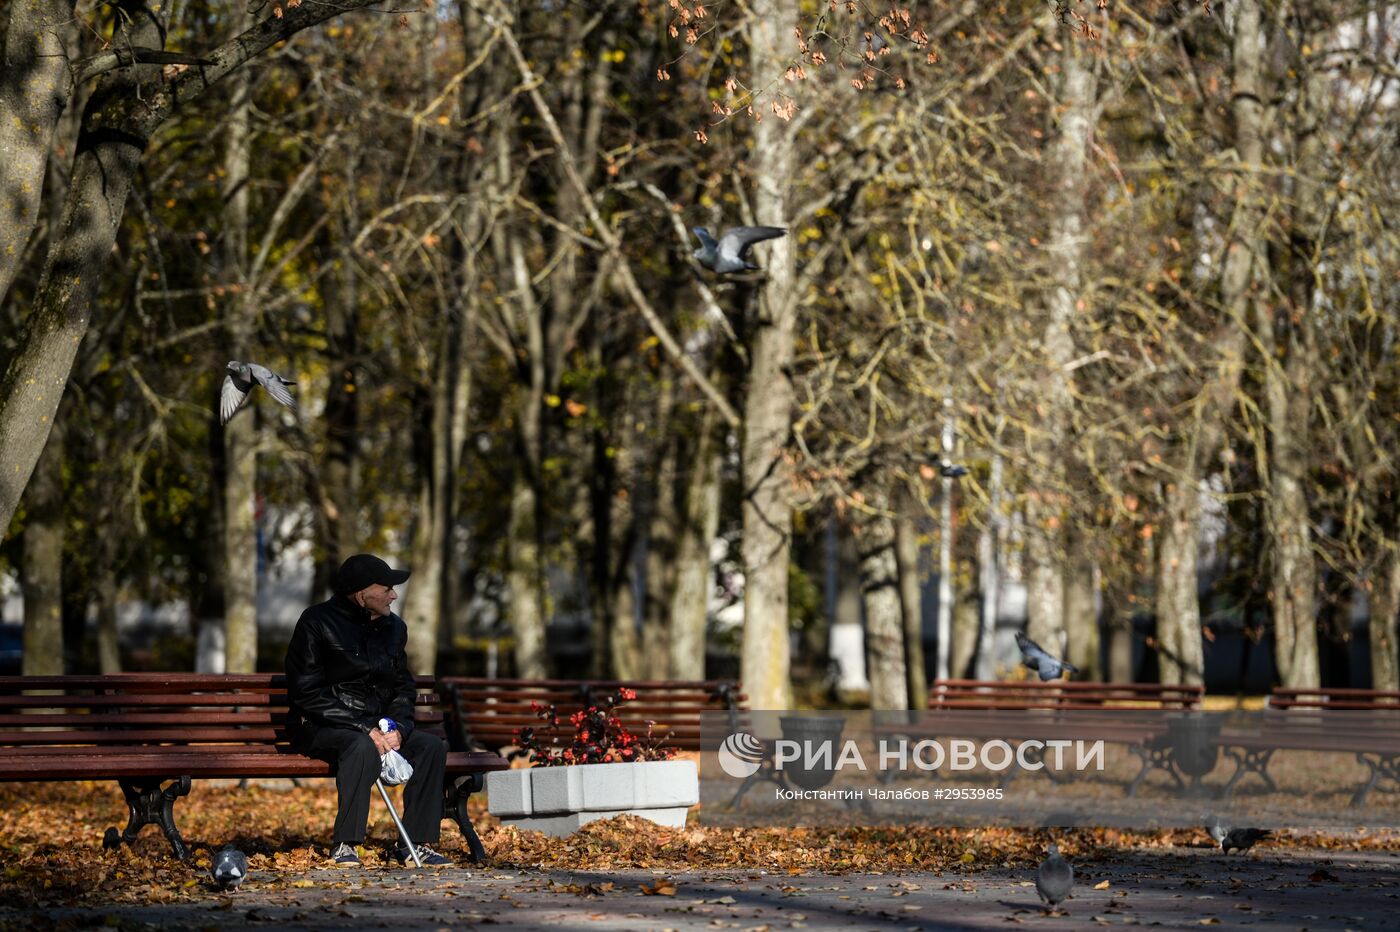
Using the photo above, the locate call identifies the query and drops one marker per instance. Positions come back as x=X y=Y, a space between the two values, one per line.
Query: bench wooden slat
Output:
x=195 y=763
x=492 y=711
x=1033 y=694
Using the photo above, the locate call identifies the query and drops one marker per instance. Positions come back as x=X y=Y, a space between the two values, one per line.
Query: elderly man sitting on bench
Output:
x=347 y=669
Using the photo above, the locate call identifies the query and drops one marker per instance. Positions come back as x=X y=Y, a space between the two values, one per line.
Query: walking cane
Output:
x=403 y=832
x=387 y=725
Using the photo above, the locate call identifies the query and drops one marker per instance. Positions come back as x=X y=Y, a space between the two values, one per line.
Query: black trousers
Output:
x=356 y=763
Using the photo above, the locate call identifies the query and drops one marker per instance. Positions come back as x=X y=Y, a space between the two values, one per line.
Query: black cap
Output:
x=364 y=570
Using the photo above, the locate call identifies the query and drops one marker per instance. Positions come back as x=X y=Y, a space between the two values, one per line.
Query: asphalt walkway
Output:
x=1167 y=888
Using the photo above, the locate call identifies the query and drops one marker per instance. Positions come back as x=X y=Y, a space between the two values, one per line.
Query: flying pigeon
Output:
x=1243 y=838
x=1034 y=657
x=730 y=253
x=1054 y=878
x=230 y=868
x=1216 y=829
x=239 y=382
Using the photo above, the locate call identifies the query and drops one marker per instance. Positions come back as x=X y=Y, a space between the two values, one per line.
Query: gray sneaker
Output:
x=344 y=856
x=428 y=856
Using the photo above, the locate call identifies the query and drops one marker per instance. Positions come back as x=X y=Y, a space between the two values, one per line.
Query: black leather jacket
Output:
x=345 y=670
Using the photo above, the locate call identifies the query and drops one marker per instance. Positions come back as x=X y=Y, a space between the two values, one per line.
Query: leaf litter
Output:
x=51 y=851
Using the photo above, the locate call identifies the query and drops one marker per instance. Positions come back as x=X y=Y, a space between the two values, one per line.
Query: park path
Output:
x=1167 y=888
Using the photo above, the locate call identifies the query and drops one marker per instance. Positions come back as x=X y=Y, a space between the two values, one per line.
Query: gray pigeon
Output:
x=1243 y=838
x=1216 y=829
x=1034 y=657
x=230 y=868
x=1054 y=878
x=239 y=382
x=730 y=253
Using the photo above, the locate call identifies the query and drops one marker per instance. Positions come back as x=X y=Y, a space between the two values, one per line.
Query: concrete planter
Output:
x=558 y=800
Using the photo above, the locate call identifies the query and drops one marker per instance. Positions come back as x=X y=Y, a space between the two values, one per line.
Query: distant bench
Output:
x=156 y=732
x=488 y=713
x=1362 y=723
x=1017 y=711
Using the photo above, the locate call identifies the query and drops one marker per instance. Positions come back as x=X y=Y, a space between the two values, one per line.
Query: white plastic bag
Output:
x=394 y=768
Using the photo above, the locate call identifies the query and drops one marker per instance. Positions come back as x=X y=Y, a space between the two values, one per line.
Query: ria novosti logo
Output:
x=740 y=755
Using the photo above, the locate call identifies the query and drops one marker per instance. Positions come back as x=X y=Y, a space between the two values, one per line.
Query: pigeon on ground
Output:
x=239 y=382
x=1243 y=838
x=230 y=868
x=1054 y=878
x=1034 y=657
x=731 y=252
x=1216 y=829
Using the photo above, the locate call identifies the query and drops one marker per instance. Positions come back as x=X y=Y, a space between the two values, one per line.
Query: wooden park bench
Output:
x=1361 y=723
x=1016 y=711
x=154 y=733
x=489 y=713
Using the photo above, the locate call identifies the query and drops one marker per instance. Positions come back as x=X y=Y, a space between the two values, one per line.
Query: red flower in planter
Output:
x=599 y=736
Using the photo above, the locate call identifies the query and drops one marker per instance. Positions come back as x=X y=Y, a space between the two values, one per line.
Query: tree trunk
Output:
x=699 y=527
x=884 y=619
x=1383 y=600
x=963 y=637
x=524 y=581
x=525 y=577
x=109 y=657
x=1287 y=342
x=602 y=487
x=240 y=546
x=989 y=544
x=34 y=89
x=1293 y=585
x=38 y=372
x=340 y=468
x=1081 y=608
x=846 y=644
x=422 y=608
x=1204 y=436
x=661 y=542
x=1045 y=584
x=906 y=553
x=1180 y=653
x=42 y=567
x=768 y=393
x=624 y=645
x=240 y=433
x=207 y=597
x=1120 y=646
x=1046 y=514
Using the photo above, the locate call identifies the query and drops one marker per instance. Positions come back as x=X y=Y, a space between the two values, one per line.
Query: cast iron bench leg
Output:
x=1384 y=765
x=148 y=803
x=1153 y=757
x=766 y=773
x=455 y=808
x=1247 y=762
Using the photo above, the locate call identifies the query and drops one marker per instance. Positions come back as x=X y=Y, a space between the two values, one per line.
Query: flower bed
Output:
x=598 y=771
